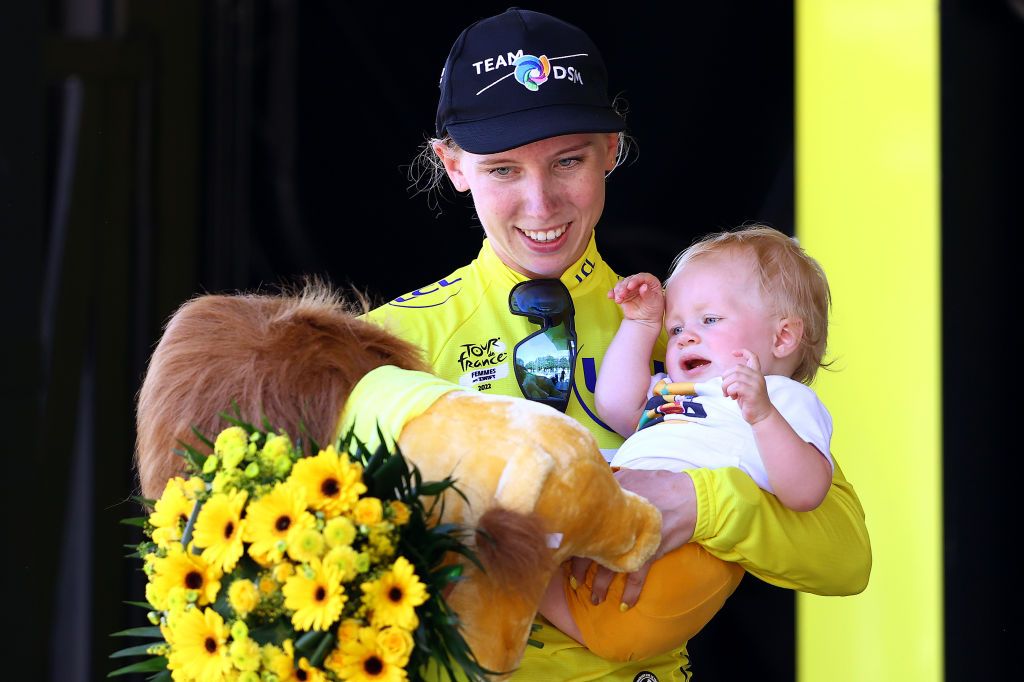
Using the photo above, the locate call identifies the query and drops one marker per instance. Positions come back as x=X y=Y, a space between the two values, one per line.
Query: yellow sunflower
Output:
x=171 y=513
x=271 y=520
x=362 y=659
x=333 y=484
x=394 y=597
x=199 y=649
x=307 y=673
x=219 y=529
x=185 y=570
x=316 y=595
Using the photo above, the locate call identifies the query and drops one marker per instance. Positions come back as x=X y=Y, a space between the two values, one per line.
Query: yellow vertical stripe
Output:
x=868 y=208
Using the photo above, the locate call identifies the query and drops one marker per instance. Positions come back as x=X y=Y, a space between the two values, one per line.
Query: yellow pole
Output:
x=867 y=107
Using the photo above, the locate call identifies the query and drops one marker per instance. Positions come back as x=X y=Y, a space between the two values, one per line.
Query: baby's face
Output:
x=714 y=308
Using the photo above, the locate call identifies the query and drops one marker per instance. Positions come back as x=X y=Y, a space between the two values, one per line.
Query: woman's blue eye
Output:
x=711 y=319
x=501 y=171
x=569 y=162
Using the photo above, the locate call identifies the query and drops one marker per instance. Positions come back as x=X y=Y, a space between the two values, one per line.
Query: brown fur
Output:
x=512 y=546
x=294 y=359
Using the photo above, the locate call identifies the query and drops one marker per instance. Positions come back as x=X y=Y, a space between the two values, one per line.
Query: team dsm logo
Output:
x=530 y=71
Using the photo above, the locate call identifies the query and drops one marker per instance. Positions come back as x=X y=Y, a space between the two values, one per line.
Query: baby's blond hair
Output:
x=791 y=281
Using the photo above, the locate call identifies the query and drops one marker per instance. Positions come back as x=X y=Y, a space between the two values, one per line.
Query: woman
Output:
x=524 y=124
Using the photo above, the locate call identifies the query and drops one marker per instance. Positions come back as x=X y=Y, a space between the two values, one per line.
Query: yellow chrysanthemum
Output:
x=283 y=571
x=339 y=531
x=276 y=659
x=267 y=585
x=245 y=654
x=368 y=511
x=227 y=481
x=361 y=659
x=316 y=596
x=199 y=649
x=395 y=644
x=380 y=542
x=394 y=597
x=171 y=512
x=273 y=519
x=399 y=512
x=345 y=560
x=305 y=545
x=243 y=596
x=333 y=484
x=219 y=529
x=231 y=446
x=185 y=570
x=276 y=446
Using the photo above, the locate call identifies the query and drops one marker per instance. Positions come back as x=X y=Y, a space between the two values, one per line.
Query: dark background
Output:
x=151 y=150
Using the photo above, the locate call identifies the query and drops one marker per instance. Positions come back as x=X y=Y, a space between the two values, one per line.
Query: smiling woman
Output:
x=533 y=147
x=538 y=203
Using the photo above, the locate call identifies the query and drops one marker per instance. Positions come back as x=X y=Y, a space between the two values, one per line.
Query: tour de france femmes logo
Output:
x=532 y=71
x=645 y=676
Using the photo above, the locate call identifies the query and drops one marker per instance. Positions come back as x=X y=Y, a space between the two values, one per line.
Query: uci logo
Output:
x=410 y=300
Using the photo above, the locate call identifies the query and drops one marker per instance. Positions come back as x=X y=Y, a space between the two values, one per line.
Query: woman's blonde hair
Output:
x=792 y=282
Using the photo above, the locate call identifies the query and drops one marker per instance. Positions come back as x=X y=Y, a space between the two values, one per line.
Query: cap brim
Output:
x=516 y=129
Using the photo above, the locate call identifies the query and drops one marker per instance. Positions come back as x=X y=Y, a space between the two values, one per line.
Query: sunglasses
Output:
x=545 y=360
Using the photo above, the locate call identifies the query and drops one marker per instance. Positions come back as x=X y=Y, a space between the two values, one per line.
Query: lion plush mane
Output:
x=535 y=484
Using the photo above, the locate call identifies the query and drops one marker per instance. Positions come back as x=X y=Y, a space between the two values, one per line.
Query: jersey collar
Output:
x=576 y=278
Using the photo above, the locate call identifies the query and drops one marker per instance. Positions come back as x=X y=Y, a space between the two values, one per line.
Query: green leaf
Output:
x=186 y=535
x=151 y=666
x=139 y=521
x=308 y=642
x=322 y=650
x=162 y=676
x=153 y=631
x=139 y=650
x=203 y=439
x=142 y=605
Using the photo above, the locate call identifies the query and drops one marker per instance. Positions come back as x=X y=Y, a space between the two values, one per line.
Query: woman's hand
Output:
x=673 y=495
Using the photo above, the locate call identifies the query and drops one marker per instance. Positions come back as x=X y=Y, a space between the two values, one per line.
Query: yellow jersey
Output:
x=465 y=327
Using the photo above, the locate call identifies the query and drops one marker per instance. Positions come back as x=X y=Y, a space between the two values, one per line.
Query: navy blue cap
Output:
x=519 y=77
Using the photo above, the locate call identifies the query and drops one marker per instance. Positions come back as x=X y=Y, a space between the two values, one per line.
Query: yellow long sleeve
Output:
x=825 y=551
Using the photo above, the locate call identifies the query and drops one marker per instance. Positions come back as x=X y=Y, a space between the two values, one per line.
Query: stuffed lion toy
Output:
x=534 y=481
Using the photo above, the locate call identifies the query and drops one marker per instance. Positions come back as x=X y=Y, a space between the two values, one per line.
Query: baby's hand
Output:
x=640 y=297
x=746 y=384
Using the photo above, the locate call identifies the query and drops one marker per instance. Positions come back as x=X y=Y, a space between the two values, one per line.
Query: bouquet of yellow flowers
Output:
x=266 y=564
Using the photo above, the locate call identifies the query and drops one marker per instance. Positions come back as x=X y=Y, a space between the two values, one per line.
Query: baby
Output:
x=746 y=314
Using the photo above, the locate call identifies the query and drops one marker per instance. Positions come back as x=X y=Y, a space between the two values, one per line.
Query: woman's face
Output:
x=538 y=203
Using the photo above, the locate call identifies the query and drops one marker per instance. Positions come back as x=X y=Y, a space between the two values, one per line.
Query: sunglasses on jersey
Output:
x=544 y=361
